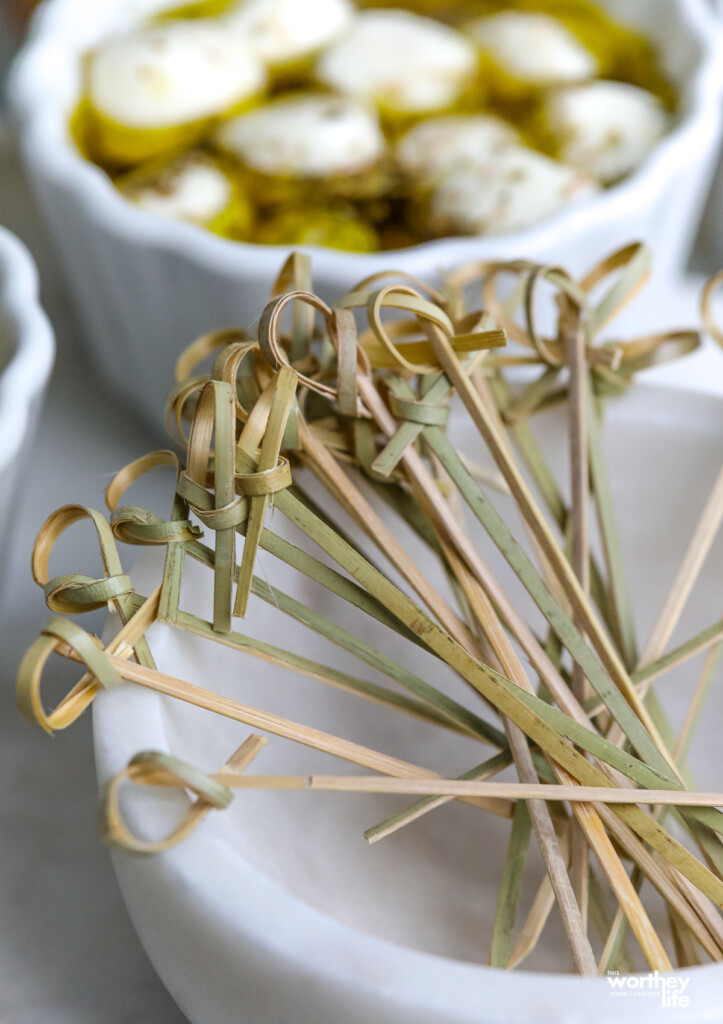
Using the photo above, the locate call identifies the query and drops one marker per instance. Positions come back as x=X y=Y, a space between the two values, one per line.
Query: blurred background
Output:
x=68 y=952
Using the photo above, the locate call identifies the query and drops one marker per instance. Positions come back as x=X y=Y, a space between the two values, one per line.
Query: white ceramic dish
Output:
x=276 y=911
x=27 y=349
x=146 y=287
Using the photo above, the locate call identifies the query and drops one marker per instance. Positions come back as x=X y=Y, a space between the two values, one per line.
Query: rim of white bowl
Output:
x=46 y=139
x=411 y=977
x=26 y=374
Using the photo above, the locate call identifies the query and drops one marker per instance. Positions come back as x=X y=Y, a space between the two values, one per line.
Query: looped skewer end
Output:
x=153 y=768
x=265 y=481
x=59 y=635
x=73 y=592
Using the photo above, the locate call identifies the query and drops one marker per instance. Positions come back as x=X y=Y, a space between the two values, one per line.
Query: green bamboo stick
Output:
x=416 y=810
x=620 y=607
x=510 y=892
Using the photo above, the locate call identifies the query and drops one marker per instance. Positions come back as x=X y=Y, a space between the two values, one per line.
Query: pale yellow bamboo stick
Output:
x=690 y=566
x=275 y=724
x=435 y=786
x=580 y=558
x=623 y=888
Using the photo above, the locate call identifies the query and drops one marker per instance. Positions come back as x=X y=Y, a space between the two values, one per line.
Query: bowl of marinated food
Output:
x=178 y=152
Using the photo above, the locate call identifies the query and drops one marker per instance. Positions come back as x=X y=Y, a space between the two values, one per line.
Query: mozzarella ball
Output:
x=533 y=48
x=513 y=190
x=281 y=31
x=605 y=128
x=172 y=74
x=309 y=135
x=192 y=188
x=438 y=145
x=405 y=63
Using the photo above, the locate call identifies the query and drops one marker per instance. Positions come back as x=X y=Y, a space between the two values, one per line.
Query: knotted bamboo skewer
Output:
x=587 y=745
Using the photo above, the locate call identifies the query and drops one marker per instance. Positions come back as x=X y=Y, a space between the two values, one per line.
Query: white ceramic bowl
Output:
x=27 y=349
x=275 y=910
x=145 y=287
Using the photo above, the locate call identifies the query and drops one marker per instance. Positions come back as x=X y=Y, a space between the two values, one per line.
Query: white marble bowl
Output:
x=146 y=288
x=276 y=911
x=27 y=349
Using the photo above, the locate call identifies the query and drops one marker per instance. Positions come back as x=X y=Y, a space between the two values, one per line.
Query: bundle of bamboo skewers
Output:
x=361 y=395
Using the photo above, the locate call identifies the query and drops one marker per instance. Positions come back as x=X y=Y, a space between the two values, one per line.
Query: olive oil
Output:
x=624 y=54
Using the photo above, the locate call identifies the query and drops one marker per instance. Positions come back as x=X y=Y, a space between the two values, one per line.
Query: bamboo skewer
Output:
x=594 y=835
x=664 y=881
x=623 y=888
x=690 y=566
x=712 y=663
x=431 y=785
x=620 y=614
x=529 y=451
x=429 y=803
x=580 y=557
x=271 y=723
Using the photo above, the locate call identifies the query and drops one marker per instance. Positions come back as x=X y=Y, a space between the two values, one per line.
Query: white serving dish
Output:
x=145 y=288
x=27 y=350
x=275 y=910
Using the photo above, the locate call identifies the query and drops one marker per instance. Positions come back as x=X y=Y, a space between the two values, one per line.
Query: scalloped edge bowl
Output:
x=24 y=377
x=146 y=287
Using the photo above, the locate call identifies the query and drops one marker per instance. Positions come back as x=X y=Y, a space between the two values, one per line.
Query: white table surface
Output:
x=68 y=953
